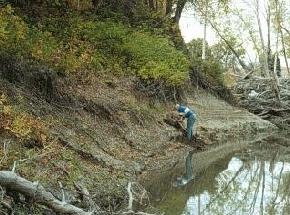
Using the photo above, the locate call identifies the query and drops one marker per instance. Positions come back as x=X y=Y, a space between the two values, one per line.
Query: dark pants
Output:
x=190 y=123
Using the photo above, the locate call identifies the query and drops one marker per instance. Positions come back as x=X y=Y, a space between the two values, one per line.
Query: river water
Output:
x=255 y=180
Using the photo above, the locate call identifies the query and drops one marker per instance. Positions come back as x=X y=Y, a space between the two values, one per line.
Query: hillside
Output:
x=84 y=97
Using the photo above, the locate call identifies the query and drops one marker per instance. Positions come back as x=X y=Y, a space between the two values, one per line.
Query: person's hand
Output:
x=180 y=119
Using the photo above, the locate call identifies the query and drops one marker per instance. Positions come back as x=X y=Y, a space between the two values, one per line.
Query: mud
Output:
x=114 y=137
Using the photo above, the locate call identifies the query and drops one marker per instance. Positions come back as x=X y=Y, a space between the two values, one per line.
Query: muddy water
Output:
x=255 y=180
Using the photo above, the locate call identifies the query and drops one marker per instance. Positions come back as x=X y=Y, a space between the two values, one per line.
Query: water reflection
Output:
x=256 y=181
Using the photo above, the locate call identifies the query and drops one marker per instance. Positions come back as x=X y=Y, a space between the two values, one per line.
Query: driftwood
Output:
x=264 y=103
x=35 y=191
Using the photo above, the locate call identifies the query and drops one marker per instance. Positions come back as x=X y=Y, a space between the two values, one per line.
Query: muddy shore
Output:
x=104 y=137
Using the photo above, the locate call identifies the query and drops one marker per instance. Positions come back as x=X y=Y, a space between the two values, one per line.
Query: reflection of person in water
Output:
x=180 y=181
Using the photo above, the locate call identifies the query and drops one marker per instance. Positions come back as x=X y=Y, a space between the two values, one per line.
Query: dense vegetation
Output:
x=78 y=42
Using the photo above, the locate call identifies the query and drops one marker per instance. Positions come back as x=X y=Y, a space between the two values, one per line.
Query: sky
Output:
x=191 y=27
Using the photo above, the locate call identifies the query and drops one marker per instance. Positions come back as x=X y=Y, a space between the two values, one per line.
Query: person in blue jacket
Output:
x=190 y=115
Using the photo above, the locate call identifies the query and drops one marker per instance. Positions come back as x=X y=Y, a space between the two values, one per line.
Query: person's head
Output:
x=177 y=106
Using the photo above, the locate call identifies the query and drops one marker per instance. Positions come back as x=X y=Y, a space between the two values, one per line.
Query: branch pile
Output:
x=263 y=101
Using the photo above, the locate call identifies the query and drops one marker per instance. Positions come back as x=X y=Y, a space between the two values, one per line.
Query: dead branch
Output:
x=37 y=192
x=5 y=151
x=131 y=198
x=137 y=194
x=5 y=202
x=7 y=206
x=15 y=163
x=86 y=197
x=265 y=104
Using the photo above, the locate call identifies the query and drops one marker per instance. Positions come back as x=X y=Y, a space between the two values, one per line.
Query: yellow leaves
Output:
x=3 y=99
x=37 y=52
x=21 y=124
x=77 y=58
x=13 y=30
x=7 y=110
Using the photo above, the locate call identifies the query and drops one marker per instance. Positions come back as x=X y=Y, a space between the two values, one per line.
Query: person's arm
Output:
x=181 y=117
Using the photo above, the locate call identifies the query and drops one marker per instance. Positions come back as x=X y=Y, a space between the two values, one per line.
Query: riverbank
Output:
x=225 y=129
x=105 y=136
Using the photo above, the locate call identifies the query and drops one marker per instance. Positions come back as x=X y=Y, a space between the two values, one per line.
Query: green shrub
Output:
x=211 y=67
x=13 y=31
x=155 y=58
x=80 y=43
x=42 y=45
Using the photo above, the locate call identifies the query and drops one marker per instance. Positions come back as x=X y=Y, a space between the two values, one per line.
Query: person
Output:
x=188 y=113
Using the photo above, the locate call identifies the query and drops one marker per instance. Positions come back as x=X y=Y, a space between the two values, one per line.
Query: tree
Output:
x=221 y=52
x=204 y=29
x=179 y=8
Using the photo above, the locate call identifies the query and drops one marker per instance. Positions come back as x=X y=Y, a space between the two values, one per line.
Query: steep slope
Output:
x=105 y=135
x=83 y=100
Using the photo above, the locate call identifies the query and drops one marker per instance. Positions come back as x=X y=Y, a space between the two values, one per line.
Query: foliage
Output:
x=211 y=67
x=84 y=43
x=22 y=125
x=13 y=30
x=155 y=58
x=221 y=52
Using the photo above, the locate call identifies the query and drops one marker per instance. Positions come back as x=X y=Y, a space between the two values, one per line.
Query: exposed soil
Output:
x=103 y=134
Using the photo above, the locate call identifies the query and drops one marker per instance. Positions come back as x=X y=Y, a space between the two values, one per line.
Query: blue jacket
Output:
x=185 y=111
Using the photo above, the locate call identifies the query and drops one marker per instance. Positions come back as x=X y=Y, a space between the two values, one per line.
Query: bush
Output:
x=156 y=58
x=82 y=43
x=211 y=67
x=21 y=124
x=13 y=31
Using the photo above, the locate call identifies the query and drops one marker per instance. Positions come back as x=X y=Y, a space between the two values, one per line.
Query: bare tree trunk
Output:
x=284 y=50
x=151 y=4
x=275 y=80
x=269 y=34
x=265 y=58
x=275 y=60
x=167 y=7
x=179 y=7
x=280 y=27
x=36 y=192
x=204 y=33
x=164 y=6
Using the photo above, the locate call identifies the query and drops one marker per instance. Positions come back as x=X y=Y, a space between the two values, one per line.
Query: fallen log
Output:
x=13 y=182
